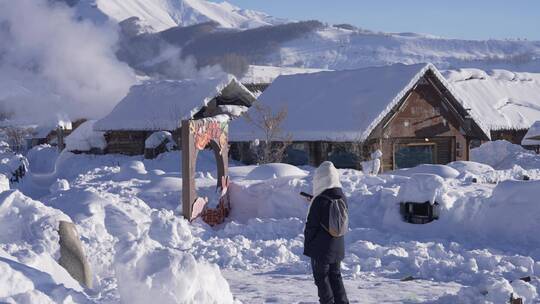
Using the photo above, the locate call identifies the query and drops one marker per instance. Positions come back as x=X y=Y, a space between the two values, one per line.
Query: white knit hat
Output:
x=325 y=177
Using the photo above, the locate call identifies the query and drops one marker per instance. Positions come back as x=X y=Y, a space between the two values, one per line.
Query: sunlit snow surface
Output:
x=127 y=212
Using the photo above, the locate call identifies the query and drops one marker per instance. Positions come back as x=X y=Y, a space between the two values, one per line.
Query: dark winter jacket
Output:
x=318 y=243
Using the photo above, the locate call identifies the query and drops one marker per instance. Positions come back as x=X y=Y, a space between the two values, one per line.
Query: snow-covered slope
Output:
x=337 y=48
x=164 y=14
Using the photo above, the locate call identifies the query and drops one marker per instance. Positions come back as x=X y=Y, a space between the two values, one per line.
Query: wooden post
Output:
x=188 y=170
x=60 y=138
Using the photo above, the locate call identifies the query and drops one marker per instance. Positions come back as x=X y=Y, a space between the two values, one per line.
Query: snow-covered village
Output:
x=244 y=152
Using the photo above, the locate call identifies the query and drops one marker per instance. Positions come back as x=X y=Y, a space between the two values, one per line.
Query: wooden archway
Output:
x=196 y=136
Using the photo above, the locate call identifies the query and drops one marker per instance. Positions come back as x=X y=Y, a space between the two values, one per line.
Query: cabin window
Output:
x=297 y=154
x=344 y=159
x=475 y=143
x=413 y=155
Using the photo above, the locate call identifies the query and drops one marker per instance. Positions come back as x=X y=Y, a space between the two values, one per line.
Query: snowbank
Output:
x=4 y=183
x=422 y=188
x=269 y=171
x=157 y=138
x=502 y=155
x=42 y=158
x=440 y=170
x=28 y=247
x=148 y=272
x=59 y=185
x=512 y=213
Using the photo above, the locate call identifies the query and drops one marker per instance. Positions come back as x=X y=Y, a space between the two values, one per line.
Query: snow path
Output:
x=274 y=287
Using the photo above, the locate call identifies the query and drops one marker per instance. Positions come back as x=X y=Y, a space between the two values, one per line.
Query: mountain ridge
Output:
x=164 y=14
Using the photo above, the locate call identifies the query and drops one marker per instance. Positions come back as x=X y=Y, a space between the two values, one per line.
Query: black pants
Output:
x=329 y=283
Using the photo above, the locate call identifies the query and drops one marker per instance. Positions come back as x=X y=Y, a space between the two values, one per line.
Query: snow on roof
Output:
x=84 y=138
x=267 y=74
x=338 y=105
x=162 y=105
x=502 y=99
x=532 y=138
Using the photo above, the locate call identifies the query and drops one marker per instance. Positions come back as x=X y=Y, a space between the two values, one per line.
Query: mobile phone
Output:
x=306 y=195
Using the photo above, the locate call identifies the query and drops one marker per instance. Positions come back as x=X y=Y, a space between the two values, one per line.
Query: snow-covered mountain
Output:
x=307 y=45
x=337 y=48
x=164 y=14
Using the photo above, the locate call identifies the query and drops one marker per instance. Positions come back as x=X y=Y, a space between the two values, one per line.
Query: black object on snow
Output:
x=419 y=213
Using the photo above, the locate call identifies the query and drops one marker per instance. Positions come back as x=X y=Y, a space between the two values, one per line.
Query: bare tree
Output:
x=274 y=142
x=16 y=137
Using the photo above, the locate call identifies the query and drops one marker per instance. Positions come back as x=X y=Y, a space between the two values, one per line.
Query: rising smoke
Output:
x=52 y=65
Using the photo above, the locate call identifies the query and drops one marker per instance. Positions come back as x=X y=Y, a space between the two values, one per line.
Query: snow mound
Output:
x=42 y=158
x=422 y=187
x=148 y=273
x=502 y=155
x=84 y=138
x=276 y=198
x=471 y=170
x=440 y=170
x=59 y=185
x=157 y=138
x=512 y=212
x=28 y=247
x=269 y=171
x=131 y=169
x=493 y=291
x=4 y=183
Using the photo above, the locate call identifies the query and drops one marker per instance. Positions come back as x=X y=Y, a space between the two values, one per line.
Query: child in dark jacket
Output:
x=326 y=252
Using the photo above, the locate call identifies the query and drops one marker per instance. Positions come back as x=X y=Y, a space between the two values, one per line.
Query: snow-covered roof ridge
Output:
x=501 y=99
x=366 y=96
x=163 y=104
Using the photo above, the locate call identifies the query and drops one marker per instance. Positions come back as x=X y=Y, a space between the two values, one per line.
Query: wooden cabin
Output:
x=53 y=136
x=407 y=111
x=508 y=103
x=161 y=106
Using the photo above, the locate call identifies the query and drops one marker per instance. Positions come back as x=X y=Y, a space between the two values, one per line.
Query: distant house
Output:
x=507 y=103
x=161 y=106
x=531 y=140
x=52 y=135
x=409 y=112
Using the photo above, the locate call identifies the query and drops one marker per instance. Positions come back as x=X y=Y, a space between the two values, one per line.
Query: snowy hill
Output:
x=325 y=47
x=164 y=14
x=336 y=48
x=314 y=45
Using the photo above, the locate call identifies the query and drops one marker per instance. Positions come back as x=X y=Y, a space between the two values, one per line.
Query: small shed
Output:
x=156 y=106
x=409 y=112
x=506 y=102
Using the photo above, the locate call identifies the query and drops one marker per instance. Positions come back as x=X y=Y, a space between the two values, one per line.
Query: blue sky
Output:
x=472 y=19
